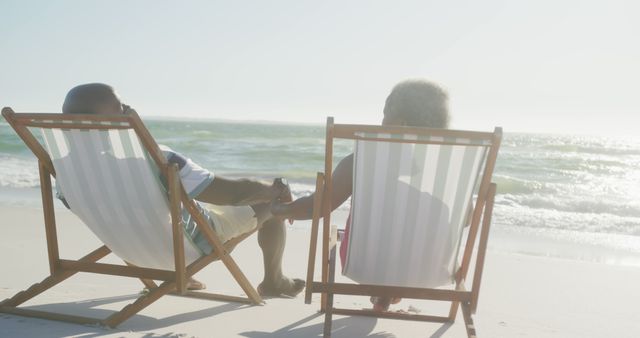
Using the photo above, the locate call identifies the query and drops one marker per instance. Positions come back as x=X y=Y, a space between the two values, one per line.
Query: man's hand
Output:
x=282 y=186
x=284 y=196
x=224 y=191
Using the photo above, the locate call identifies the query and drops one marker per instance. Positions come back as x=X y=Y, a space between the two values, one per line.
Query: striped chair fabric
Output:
x=112 y=185
x=409 y=206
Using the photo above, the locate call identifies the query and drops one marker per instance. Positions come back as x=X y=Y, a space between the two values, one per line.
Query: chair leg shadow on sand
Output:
x=138 y=322
x=344 y=327
x=442 y=330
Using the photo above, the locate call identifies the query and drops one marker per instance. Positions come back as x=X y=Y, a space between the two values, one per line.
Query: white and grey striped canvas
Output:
x=409 y=208
x=110 y=184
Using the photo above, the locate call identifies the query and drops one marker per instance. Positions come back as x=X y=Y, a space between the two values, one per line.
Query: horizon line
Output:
x=315 y=124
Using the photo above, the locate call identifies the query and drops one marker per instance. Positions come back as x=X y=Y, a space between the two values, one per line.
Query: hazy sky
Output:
x=544 y=66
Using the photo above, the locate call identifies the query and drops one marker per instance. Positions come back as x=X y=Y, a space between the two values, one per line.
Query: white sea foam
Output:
x=18 y=173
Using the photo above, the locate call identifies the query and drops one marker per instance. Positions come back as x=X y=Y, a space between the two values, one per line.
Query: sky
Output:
x=570 y=67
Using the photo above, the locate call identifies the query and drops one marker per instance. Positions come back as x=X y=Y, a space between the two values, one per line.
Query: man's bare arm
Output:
x=225 y=191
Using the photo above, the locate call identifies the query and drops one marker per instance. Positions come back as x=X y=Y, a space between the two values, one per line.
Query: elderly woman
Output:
x=411 y=103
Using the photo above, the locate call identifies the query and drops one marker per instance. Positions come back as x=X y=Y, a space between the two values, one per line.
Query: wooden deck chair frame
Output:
x=479 y=223
x=172 y=281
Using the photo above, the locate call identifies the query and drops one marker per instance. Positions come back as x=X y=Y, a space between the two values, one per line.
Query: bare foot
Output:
x=194 y=285
x=287 y=288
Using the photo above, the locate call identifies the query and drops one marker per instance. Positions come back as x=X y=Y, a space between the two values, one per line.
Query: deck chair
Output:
x=413 y=194
x=117 y=181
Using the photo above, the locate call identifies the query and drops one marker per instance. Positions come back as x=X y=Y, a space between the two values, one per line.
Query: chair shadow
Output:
x=441 y=330
x=139 y=322
x=344 y=327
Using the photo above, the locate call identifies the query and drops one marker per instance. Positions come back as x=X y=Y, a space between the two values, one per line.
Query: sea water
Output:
x=558 y=195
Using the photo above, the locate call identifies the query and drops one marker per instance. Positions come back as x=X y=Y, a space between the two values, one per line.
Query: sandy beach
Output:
x=536 y=97
x=521 y=296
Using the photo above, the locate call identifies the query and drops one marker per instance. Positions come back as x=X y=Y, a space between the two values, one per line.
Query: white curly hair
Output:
x=417 y=103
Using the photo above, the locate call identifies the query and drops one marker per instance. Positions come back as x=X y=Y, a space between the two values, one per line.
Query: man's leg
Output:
x=272 y=237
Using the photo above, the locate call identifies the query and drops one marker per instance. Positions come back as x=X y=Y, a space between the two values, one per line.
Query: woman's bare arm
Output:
x=302 y=208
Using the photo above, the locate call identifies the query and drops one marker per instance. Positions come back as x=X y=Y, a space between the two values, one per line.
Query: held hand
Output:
x=282 y=210
x=278 y=208
x=283 y=198
x=285 y=193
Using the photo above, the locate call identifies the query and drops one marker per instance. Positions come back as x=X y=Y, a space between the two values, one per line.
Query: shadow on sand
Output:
x=344 y=327
x=138 y=322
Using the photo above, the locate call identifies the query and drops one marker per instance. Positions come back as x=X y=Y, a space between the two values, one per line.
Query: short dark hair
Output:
x=88 y=98
x=418 y=103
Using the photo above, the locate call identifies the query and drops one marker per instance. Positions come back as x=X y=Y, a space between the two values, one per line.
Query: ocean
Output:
x=558 y=195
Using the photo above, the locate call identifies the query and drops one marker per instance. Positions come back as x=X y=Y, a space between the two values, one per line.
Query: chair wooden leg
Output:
x=326 y=261
x=10 y=305
x=49 y=218
x=328 y=314
x=214 y=296
x=50 y=315
x=453 y=311
x=139 y=304
x=116 y=318
x=148 y=283
x=315 y=221
x=468 y=320
x=36 y=289
x=52 y=280
x=223 y=252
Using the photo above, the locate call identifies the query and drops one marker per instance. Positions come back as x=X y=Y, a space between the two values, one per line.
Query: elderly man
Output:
x=230 y=206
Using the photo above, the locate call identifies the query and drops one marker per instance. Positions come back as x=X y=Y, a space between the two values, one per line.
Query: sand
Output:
x=521 y=295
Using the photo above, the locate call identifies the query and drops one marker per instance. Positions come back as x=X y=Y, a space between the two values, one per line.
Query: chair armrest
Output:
x=333 y=236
